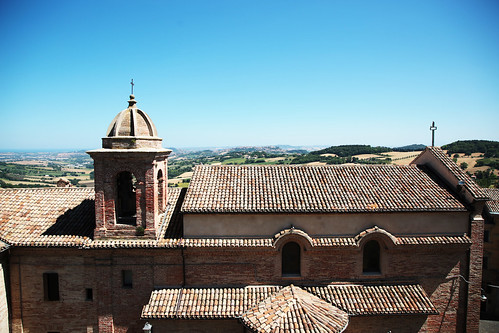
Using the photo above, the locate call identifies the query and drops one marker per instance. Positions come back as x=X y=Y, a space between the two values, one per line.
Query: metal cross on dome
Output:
x=132 y=85
x=433 y=128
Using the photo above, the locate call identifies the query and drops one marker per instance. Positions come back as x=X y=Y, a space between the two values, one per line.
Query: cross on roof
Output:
x=433 y=128
x=132 y=85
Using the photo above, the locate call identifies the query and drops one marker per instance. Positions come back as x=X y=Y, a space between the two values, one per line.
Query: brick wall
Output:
x=113 y=309
x=384 y=324
x=117 y=309
x=145 y=168
x=4 y=310
x=198 y=326
x=475 y=274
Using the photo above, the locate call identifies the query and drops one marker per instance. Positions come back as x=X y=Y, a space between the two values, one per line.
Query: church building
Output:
x=261 y=248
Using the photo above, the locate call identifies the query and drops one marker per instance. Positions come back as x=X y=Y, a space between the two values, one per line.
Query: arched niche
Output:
x=371 y=257
x=291 y=259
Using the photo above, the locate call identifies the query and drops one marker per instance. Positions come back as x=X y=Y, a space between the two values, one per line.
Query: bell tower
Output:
x=130 y=173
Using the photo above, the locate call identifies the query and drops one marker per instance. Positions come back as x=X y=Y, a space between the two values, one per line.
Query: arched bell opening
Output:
x=126 y=205
x=161 y=190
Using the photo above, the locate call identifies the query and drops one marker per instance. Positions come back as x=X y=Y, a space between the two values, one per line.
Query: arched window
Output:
x=126 y=201
x=291 y=253
x=161 y=190
x=371 y=257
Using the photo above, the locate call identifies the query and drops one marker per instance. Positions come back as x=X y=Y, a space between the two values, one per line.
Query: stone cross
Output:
x=132 y=85
x=433 y=128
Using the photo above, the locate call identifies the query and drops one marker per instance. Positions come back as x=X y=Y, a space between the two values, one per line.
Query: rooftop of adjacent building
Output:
x=493 y=204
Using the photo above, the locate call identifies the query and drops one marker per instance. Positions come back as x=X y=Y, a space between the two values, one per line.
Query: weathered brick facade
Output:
x=145 y=166
x=117 y=309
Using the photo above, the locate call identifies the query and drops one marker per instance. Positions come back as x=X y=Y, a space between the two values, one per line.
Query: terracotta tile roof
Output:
x=199 y=303
x=172 y=223
x=65 y=217
x=292 y=309
x=376 y=299
x=469 y=184
x=493 y=204
x=414 y=239
x=433 y=240
x=62 y=216
x=227 y=242
x=315 y=189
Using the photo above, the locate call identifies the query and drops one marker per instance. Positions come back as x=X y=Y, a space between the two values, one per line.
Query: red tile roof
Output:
x=64 y=217
x=61 y=216
x=433 y=240
x=376 y=299
x=493 y=204
x=292 y=309
x=321 y=189
x=469 y=184
x=201 y=303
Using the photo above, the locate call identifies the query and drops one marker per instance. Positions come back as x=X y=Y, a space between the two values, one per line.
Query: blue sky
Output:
x=233 y=73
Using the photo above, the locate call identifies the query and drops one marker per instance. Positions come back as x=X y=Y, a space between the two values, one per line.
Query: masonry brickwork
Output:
x=145 y=167
x=116 y=308
x=4 y=309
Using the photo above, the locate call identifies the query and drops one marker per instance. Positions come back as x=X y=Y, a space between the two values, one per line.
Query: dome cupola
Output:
x=130 y=177
x=132 y=128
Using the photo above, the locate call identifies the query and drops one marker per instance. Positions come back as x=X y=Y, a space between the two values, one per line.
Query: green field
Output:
x=36 y=175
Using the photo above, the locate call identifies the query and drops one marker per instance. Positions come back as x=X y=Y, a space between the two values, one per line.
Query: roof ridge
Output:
x=355 y=165
x=51 y=188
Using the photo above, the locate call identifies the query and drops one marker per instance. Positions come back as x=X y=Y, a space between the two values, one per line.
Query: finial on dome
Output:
x=132 y=101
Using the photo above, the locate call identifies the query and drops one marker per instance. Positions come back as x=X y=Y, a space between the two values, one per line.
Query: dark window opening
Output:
x=291 y=253
x=485 y=262
x=161 y=189
x=89 y=294
x=371 y=258
x=126 y=205
x=486 y=235
x=127 y=278
x=51 y=286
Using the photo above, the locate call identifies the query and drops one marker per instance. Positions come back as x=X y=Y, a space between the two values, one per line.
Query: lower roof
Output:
x=294 y=310
x=218 y=303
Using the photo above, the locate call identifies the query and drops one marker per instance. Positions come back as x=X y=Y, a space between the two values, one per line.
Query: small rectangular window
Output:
x=486 y=235
x=127 y=278
x=51 y=286
x=89 y=294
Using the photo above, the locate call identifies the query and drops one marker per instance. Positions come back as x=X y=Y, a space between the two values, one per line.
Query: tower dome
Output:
x=132 y=128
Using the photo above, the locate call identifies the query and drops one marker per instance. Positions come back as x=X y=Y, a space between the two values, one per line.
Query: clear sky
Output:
x=236 y=72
